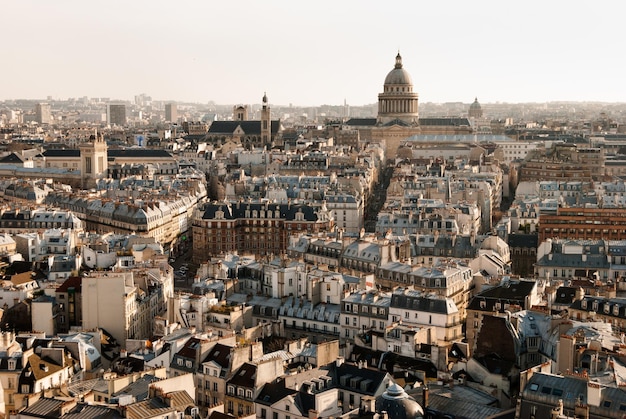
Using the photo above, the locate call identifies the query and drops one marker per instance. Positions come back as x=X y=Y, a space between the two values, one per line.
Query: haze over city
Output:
x=311 y=53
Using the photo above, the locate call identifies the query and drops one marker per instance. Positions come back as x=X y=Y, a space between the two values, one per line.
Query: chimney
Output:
x=581 y=410
x=580 y=293
x=368 y=404
x=557 y=411
x=594 y=394
x=425 y=397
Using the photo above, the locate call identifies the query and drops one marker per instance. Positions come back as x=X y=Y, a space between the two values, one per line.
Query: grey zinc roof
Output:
x=43 y=407
x=139 y=388
x=238 y=210
x=449 y=403
x=415 y=300
x=545 y=390
x=369 y=298
x=512 y=292
x=599 y=261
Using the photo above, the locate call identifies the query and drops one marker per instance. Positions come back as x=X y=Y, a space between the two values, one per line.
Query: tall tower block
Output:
x=266 y=123
x=93 y=161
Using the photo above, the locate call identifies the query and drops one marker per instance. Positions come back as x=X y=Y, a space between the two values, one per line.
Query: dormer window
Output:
x=12 y=364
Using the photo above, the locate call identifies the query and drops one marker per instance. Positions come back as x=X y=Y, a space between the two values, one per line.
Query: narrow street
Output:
x=377 y=200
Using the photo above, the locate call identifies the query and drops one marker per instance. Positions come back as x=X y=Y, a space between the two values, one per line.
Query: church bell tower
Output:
x=266 y=123
x=93 y=161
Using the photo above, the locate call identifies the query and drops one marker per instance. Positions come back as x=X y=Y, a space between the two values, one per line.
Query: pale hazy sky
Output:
x=313 y=52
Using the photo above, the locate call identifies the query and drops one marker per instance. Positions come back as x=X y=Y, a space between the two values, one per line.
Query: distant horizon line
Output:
x=213 y=103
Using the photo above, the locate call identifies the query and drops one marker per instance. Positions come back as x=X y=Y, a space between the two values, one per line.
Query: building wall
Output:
x=109 y=303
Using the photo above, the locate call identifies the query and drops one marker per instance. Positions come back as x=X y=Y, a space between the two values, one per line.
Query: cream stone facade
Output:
x=398 y=101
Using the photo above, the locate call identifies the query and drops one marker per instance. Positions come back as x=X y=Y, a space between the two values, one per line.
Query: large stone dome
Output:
x=398 y=75
x=475 y=110
x=398 y=404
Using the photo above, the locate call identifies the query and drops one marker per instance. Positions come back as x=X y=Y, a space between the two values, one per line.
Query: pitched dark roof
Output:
x=249 y=127
x=361 y=122
x=220 y=354
x=419 y=303
x=62 y=153
x=373 y=377
x=194 y=137
x=11 y=158
x=496 y=355
x=273 y=392
x=444 y=121
x=397 y=122
x=511 y=292
x=43 y=407
x=523 y=240
x=113 y=153
x=86 y=411
x=189 y=348
x=138 y=153
x=75 y=282
x=543 y=391
x=238 y=210
x=245 y=376
x=219 y=415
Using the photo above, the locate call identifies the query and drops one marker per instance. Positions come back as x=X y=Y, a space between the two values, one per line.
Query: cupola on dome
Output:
x=398 y=75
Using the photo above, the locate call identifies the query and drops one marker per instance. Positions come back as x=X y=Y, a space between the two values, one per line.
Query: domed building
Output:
x=398 y=115
x=397 y=404
x=398 y=101
x=475 y=110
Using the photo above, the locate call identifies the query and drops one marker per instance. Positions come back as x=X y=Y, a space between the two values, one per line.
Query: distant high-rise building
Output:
x=116 y=114
x=171 y=112
x=43 y=114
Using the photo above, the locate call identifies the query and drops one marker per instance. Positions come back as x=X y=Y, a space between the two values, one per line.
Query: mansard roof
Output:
x=513 y=292
x=238 y=210
x=543 y=391
x=415 y=300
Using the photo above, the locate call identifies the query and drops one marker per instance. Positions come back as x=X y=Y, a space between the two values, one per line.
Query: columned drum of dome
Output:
x=398 y=101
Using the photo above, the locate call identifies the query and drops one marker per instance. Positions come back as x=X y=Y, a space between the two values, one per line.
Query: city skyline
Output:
x=233 y=53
